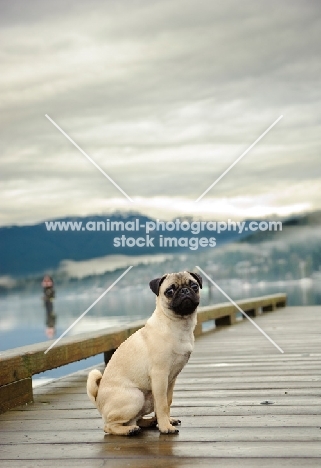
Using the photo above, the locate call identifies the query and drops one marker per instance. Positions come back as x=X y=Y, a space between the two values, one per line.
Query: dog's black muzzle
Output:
x=184 y=302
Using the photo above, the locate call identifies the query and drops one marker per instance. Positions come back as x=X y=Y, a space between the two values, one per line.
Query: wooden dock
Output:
x=220 y=397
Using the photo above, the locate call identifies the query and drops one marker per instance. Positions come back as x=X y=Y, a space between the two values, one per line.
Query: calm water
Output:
x=22 y=316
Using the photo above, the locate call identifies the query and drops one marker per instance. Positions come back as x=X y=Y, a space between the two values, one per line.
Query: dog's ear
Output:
x=197 y=277
x=155 y=284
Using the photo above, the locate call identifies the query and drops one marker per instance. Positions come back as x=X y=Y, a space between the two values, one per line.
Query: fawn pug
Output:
x=141 y=374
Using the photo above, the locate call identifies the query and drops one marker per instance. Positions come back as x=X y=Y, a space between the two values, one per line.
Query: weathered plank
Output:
x=223 y=421
x=190 y=434
x=178 y=411
x=161 y=462
x=165 y=446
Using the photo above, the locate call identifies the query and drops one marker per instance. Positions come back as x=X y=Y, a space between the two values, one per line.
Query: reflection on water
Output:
x=299 y=292
x=25 y=311
x=22 y=315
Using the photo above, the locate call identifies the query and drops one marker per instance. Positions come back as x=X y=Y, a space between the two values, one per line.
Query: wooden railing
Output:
x=17 y=366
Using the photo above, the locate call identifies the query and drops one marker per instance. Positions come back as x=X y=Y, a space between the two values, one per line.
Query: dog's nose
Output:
x=184 y=291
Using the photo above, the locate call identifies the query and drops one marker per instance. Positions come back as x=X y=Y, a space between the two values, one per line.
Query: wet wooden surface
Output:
x=218 y=397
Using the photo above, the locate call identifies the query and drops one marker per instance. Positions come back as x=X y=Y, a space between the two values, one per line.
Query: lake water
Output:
x=22 y=316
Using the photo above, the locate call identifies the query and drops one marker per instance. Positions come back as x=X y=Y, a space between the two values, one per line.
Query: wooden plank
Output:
x=210 y=395
x=161 y=462
x=165 y=446
x=178 y=411
x=223 y=421
x=190 y=434
x=216 y=378
x=71 y=463
x=196 y=390
x=189 y=401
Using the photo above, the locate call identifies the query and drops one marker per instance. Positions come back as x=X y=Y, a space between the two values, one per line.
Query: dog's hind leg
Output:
x=126 y=409
x=117 y=428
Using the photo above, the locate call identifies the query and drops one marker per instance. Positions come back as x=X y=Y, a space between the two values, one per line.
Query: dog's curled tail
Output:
x=93 y=381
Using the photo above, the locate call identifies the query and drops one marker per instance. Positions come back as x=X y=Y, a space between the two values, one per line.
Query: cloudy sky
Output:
x=164 y=96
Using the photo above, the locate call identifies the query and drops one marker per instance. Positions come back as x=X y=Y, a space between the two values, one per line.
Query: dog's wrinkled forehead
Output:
x=179 y=279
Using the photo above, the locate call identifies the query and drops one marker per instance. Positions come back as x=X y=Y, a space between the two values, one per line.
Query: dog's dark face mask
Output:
x=180 y=291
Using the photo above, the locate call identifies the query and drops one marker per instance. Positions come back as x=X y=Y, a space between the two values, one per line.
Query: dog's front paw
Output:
x=175 y=422
x=169 y=430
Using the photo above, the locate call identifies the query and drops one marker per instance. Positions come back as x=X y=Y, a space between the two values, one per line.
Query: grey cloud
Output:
x=139 y=83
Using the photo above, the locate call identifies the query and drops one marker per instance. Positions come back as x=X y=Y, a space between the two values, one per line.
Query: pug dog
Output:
x=139 y=378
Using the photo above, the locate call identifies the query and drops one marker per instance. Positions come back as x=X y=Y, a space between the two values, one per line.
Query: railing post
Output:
x=108 y=355
x=15 y=394
x=227 y=320
x=253 y=312
x=198 y=329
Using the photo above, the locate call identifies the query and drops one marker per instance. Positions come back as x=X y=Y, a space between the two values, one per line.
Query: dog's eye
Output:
x=194 y=286
x=169 y=292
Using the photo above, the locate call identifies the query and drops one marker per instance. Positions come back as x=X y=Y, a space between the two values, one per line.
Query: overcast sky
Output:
x=164 y=96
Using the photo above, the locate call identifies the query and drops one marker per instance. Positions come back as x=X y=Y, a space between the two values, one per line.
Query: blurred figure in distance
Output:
x=48 y=297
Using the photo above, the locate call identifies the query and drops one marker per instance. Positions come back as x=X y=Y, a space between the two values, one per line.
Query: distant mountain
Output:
x=30 y=250
x=293 y=253
x=295 y=228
